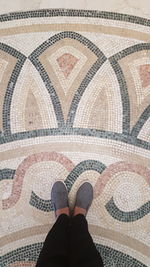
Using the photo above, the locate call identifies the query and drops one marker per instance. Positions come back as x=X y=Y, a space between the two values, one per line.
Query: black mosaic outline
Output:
x=124 y=95
x=83 y=166
x=89 y=76
x=39 y=203
x=113 y=210
x=6 y=174
x=26 y=253
x=88 y=132
x=11 y=85
x=80 y=91
x=114 y=61
x=119 y=260
x=48 y=84
x=75 y=13
x=131 y=216
x=114 y=258
x=128 y=139
x=46 y=205
x=141 y=121
x=111 y=257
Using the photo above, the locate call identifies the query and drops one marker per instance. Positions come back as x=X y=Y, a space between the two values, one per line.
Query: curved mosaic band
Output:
x=46 y=205
x=46 y=79
x=39 y=203
x=66 y=128
x=127 y=139
x=114 y=61
x=126 y=122
x=110 y=256
x=120 y=167
x=80 y=168
x=145 y=115
x=127 y=216
x=11 y=85
x=75 y=13
x=25 y=165
x=6 y=174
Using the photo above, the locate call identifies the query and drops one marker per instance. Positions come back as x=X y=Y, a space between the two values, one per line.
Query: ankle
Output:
x=62 y=211
x=78 y=210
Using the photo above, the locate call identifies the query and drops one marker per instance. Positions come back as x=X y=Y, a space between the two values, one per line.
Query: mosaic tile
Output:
x=30 y=252
x=127 y=216
x=75 y=106
x=6 y=174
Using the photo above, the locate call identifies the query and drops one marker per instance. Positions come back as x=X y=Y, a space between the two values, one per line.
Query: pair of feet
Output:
x=59 y=197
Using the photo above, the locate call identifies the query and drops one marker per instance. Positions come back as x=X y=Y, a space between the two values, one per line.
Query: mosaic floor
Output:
x=74 y=106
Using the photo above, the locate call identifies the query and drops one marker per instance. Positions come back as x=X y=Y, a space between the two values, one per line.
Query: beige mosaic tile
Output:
x=74 y=105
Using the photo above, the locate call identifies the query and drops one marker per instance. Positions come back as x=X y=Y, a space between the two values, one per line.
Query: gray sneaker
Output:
x=59 y=196
x=84 y=196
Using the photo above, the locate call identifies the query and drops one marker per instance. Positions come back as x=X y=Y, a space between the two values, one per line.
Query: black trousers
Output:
x=69 y=244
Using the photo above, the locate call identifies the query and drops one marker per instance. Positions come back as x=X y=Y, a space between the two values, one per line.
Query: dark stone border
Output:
x=51 y=90
x=143 y=118
x=111 y=257
x=89 y=76
x=128 y=139
x=46 y=205
x=131 y=216
x=6 y=174
x=114 y=61
x=63 y=129
x=124 y=95
x=11 y=85
x=26 y=253
x=39 y=203
x=114 y=258
x=74 y=13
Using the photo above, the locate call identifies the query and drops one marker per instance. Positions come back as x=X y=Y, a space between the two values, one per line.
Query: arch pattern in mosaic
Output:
x=74 y=105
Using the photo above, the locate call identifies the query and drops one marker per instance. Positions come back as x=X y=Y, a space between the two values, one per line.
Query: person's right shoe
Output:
x=84 y=196
x=59 y=196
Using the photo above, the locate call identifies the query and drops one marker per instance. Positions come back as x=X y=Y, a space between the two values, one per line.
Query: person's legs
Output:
x=82 y=249
x=55 y=249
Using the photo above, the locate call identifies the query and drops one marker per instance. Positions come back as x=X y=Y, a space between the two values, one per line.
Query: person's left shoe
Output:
x=59 y=198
